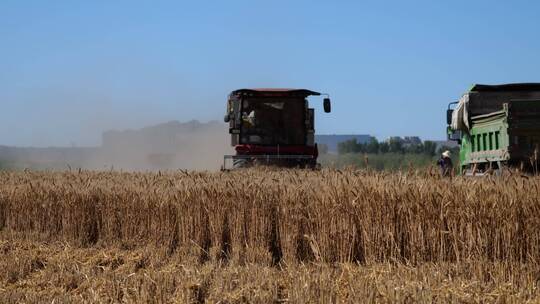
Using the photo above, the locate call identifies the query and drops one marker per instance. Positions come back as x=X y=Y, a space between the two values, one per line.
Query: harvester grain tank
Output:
x=497 y=127
x=272 y=127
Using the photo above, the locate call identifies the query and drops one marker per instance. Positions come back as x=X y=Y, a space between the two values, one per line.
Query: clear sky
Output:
x=71 y=69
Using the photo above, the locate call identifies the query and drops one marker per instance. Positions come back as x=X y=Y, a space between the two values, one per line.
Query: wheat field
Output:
x=268 y=236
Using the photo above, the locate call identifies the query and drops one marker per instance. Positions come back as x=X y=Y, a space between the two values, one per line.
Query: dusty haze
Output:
x=172 y=145
x=168 y=146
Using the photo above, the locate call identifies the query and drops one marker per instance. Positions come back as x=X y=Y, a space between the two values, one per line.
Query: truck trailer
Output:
x=272 y=127
x=497 y=128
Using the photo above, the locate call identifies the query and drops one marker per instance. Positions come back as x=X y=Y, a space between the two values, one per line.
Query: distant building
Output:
x=332 y=140
x=412 y=140
x=446 y=143
x=394 y=138
x=406 y=141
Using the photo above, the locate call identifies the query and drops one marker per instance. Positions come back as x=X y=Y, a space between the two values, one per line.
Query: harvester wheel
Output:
x=240 y=163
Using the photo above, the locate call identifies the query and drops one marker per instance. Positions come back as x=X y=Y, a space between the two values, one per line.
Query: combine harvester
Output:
x=497 y=127
x=272 y=127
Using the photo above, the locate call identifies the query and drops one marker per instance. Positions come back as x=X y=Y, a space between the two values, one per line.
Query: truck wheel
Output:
x=501 y=168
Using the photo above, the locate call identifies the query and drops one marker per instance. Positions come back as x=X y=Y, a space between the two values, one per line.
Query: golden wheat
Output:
x=268 y=235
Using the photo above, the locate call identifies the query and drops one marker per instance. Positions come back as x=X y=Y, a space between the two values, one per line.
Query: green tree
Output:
x=372 y=146
x=384 y=147
x=348 y=146
x=415 y=148
x=429 y=148
x=395 y=145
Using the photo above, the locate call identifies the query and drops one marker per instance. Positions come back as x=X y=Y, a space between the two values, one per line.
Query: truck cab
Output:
x=272 y=126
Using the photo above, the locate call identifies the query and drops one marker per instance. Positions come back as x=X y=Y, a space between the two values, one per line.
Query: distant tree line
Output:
x=393 y=145
x=393 y=154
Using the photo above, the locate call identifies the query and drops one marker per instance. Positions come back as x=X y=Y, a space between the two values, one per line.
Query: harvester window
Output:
x=270 y=121
x=473 y=147
x=478 y=142
x=484 y=142
x=497 y=135
x=275 y=105
x=490 y=140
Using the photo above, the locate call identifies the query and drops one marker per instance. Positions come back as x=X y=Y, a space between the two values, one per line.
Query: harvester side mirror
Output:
x=227 y=118
x=327 y=105
x=449 y=113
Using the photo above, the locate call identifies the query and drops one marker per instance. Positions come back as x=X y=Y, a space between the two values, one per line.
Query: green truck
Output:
x=497 y=128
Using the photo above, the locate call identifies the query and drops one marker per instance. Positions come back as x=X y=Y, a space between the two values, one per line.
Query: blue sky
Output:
x=71 y=69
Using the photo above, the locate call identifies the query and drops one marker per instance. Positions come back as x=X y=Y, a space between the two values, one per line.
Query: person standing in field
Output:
x=445 y=163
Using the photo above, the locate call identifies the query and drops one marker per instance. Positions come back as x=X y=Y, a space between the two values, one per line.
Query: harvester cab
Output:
x=272 y=127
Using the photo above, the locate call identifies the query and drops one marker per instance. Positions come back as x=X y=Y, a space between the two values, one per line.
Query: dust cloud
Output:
x=169 y=146
x=173 y=145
